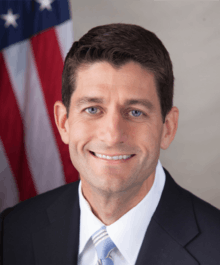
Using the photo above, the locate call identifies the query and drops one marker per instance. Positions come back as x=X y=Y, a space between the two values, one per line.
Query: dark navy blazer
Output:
x=184 y=230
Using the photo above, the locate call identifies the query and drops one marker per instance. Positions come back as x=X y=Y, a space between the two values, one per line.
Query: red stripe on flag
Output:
x=11 y=132
x=49 y=63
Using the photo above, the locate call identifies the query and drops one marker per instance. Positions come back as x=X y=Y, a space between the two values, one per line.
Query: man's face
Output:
x=113 y=128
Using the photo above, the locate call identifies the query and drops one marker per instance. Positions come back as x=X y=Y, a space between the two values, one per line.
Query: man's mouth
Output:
x=112 y=158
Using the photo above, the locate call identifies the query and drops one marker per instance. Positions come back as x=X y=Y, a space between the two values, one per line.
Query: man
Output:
x=115 y=115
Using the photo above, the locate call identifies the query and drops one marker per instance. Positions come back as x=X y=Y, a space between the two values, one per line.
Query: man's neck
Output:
x=108 y=208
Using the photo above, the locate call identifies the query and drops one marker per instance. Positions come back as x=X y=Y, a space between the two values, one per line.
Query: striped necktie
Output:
x=104 y=246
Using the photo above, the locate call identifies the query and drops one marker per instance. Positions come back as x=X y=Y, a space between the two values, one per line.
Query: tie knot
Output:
x=103 y=244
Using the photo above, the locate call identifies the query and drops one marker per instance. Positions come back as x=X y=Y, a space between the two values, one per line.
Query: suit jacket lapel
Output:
x=61 y=235
x=172 y=226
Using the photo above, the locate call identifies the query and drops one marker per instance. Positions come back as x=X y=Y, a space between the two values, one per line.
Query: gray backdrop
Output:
x=191 y=33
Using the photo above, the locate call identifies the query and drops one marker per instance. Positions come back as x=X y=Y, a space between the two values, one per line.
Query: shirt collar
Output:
x=89 y=223
x=131 y=227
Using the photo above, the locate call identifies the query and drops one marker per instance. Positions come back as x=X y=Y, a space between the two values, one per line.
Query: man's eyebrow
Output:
x=86 y=100
x=143 y=102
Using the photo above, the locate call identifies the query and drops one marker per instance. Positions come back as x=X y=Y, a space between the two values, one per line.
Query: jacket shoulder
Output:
x=37 y=204
x=18 y=224
x=205 y=245
x=202 y=209
x=205 y=210
x=207 y=217
x=204 y=217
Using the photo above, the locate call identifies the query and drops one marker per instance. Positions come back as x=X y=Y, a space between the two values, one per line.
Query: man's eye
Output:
x=92 y=109
x=135 y=113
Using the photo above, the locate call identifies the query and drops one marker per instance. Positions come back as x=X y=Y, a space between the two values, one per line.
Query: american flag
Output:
x=35 y=36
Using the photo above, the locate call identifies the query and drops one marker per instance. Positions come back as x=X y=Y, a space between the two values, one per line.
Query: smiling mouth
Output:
x=112 y=160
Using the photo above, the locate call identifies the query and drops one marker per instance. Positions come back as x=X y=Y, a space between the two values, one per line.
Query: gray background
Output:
x=191 y=33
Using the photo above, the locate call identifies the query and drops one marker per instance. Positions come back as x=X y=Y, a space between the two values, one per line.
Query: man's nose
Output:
x=114 y=128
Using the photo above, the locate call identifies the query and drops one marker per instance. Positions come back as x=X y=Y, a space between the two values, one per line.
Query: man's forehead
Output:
x=126 y=67
x=97 y=82
x=102 y=74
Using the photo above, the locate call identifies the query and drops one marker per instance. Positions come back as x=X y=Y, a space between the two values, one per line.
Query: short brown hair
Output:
x=118 y=44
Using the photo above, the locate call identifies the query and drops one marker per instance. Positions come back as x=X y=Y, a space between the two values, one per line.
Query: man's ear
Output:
x=60 y=115
x=169 y=128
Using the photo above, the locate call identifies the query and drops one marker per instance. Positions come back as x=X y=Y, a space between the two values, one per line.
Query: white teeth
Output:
x=113 y=157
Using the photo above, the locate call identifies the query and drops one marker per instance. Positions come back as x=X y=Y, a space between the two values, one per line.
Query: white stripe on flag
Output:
x=15 y=58
x=42 y=152
x=8 y=188
x=64 y=34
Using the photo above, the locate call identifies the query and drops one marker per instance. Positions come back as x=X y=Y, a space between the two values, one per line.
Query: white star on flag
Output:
x=45 y=4
x=10 y=19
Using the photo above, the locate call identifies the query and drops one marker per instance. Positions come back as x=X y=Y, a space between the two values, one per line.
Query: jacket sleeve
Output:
x=2 y=216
